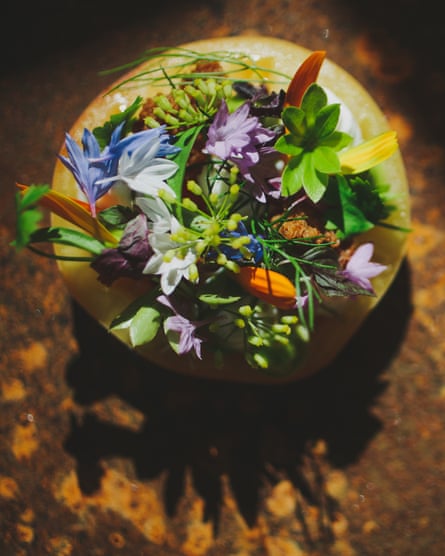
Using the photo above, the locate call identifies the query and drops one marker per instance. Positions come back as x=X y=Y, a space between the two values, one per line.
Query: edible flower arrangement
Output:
x=241 y=207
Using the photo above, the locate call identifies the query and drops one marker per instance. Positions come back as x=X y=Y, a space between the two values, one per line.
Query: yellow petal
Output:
x=76 y=212
x=368 y=154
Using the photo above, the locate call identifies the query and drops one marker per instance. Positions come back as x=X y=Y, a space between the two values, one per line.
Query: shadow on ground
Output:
x=213 y=428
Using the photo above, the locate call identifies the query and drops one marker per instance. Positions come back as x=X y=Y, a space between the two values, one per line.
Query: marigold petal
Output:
x=306 y=74
x=268 y=285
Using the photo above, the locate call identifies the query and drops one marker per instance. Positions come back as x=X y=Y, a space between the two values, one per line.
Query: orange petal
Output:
x=75 y=211
x=268 y=285
x=306 y=74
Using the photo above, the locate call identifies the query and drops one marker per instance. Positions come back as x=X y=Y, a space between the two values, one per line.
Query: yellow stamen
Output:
x=368 y=154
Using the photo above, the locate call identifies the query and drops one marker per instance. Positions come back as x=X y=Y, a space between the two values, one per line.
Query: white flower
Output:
x=160 y=219
x=142 y=171
x=170 y=262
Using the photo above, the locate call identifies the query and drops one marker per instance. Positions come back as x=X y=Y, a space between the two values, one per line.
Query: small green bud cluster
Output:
x=189 y=105
x=273 y=342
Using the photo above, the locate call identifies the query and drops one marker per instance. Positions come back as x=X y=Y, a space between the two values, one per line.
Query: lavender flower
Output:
x=360 y=269
x=236 y=137
x=182 y=326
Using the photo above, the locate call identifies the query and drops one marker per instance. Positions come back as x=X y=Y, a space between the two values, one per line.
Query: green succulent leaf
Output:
x=290 y=145
x=327 y=120
x=325 y=160
x=313 y=101
x=314 y=182
x=293 y=118
x=337 y=140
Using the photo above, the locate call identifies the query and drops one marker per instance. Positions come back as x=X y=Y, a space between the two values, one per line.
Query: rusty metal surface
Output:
x=102 y=455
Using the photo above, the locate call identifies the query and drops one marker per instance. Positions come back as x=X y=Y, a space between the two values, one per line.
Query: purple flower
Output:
x=360 y=269
x=236 y=137
x=95 y=171
x=129 y=258
x=266 y=175
x=88 y=175
x=183 y=327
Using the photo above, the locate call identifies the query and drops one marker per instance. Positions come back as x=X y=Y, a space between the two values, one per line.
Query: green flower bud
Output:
x=261 y=361
x=189 y=205
x=255 y=341
x=289 y=319
x=281 y=329
x=245 y=310
x=194 y=187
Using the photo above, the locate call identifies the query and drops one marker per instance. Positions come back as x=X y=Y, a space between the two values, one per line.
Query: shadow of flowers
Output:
x=239 y=430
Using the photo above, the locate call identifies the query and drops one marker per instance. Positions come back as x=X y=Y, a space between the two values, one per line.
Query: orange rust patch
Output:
x=402 y=126
x=59 y=546
x=199 y=539
x=282 y=502
x=336 y=484
x=139 y=503
x=24 y=440
x=13 y=390
x=116 y=539
x=8 y=488
x=34 y=357
x=25 y=533
x=423 y=239
x=27 y=516
x=276 y=546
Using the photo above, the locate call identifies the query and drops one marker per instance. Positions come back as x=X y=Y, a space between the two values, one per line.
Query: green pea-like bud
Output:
x=245 y=310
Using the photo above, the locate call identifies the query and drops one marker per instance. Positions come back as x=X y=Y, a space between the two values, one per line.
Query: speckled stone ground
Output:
x=101 y=455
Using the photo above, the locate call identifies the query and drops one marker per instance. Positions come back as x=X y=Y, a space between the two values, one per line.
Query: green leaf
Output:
x=337 y=140
x=28 y=215
x=292 y=179
x=123 y=319
x=214 y=299
x=293 y=119
x=343 y=211
x=313 y=101
x=103 y=133
x=67 y=236
x=326 y=120
x=325 y=160
x=185 y=141
x=289 y=144
x=31 y=196
x=116 y=216
x=314 y=182
x=144 y=326
x=332 y=284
